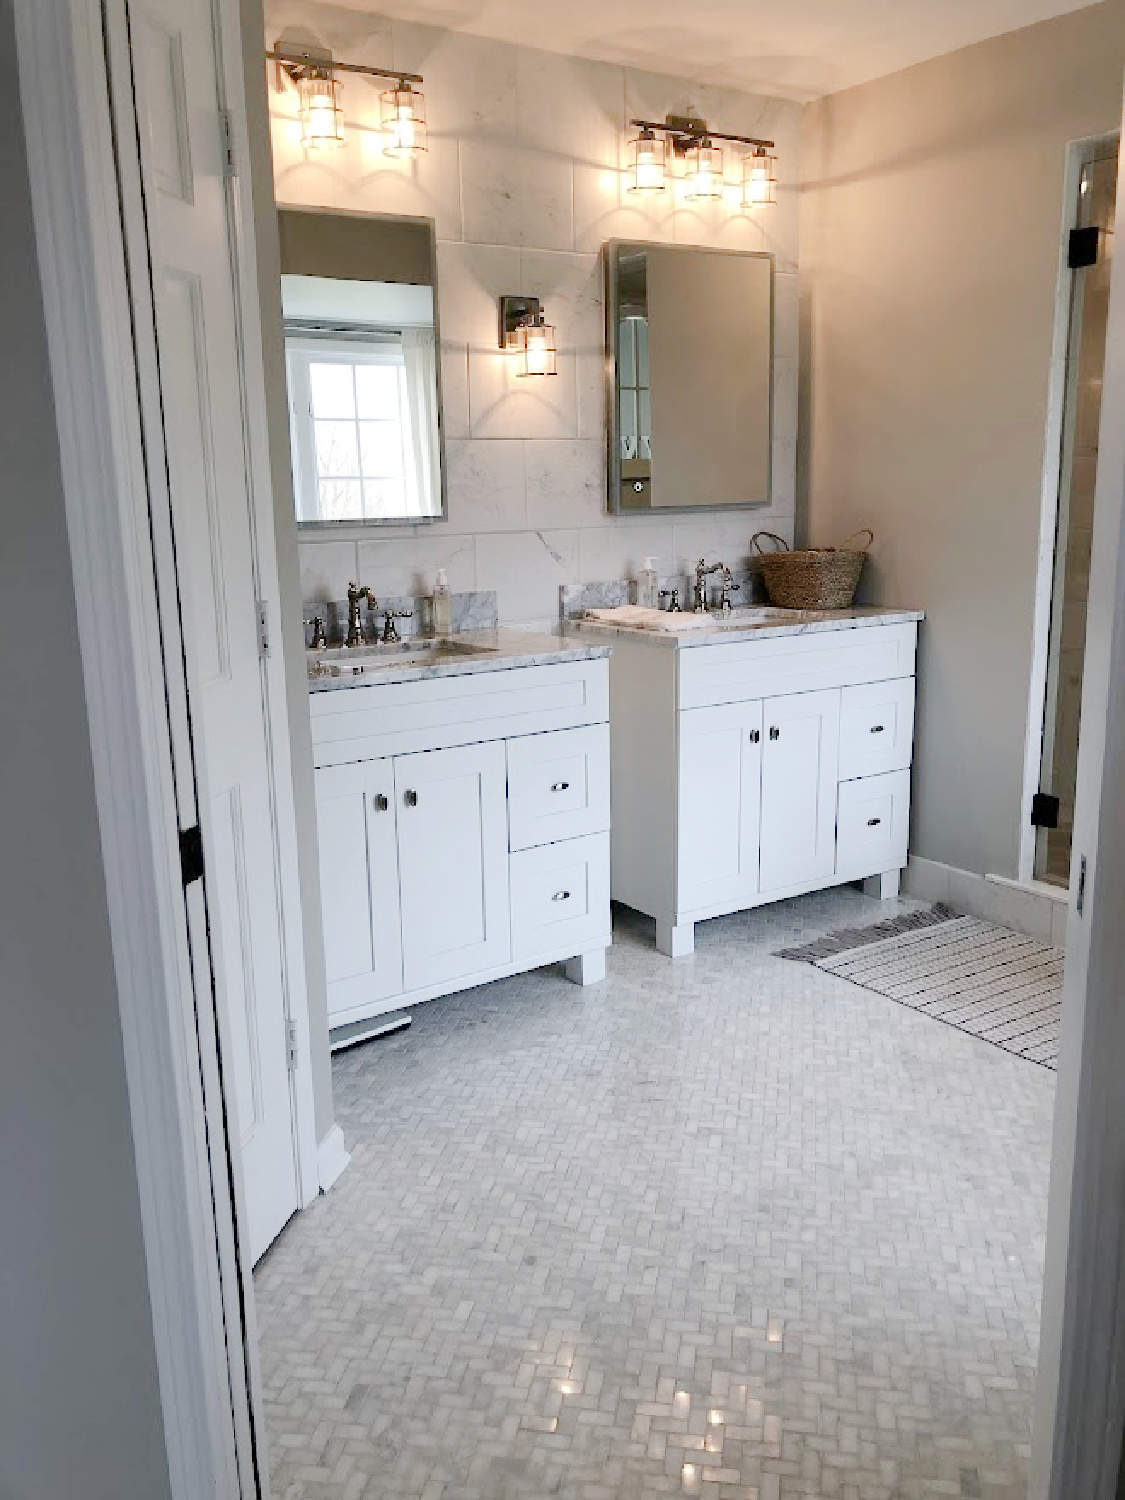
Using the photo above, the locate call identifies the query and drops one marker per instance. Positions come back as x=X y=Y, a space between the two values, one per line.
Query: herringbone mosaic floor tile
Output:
x=726 y=1227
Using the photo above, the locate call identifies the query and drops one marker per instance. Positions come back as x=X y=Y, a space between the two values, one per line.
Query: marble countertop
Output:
x=483 y=651
x=803 y=622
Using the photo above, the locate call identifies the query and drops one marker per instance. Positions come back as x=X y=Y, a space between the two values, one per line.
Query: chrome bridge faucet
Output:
x=699 y=594
x=356 y=594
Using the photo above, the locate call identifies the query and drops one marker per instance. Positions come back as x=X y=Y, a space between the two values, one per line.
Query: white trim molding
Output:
x=332 y=1158
x=1035 y=908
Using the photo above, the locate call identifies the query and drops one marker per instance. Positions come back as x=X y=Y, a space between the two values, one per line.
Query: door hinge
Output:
x=226 y=144
x=1082 y=248
x=1044 y=810
x=291 y=1045
x=191 y=854
x=263 y=628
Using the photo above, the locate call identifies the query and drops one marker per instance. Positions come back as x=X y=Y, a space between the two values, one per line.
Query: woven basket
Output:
x=816 y=578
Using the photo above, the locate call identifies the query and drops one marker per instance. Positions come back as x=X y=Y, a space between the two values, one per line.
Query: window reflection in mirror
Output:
x=359 y=298
x=690 y=335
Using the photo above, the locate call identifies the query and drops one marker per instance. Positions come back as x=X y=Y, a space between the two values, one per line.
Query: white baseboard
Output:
x=1041 y=912
x=331 y=1158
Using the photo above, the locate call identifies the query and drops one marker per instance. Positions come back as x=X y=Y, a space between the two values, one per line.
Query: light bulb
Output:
x=322 y=120
x=647 y=165
x=759 y=179
x=704 y=170
x=537 y=342
x=404 y=121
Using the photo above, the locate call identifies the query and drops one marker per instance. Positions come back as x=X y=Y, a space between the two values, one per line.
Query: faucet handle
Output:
x=319 y=639
x=674 y=596
x=390 y=634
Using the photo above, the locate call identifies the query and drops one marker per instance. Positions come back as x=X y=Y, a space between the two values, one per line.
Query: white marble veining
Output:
x=499 y=650
x=804 y=622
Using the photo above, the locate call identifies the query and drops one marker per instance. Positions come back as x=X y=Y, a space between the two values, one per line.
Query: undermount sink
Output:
x=759 y=614
x=343 y=661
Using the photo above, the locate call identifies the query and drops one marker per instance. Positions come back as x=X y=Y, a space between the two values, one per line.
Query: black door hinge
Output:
x=1083 y=248
x=1044 y=811
x=191 y=854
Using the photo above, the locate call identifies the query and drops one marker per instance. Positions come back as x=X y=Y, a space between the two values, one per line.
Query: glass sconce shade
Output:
x=537 y=349
x=646 y=163
x=322 y=119
x=704 y=170
x=404 y=121
x=759 y=179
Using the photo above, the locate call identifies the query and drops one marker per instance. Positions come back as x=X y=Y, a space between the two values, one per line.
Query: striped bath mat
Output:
x=989 y=981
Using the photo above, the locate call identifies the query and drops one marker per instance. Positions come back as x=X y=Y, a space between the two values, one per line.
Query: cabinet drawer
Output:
x=560 y=899
x=558 y=786
x=876 y=728
x=872 y=825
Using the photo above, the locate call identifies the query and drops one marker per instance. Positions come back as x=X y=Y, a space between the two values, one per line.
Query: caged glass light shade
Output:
x=537 y=349
x=759 y=178
x=704 y=170
x=322 y=119
x=404 y=121
x=647 y=157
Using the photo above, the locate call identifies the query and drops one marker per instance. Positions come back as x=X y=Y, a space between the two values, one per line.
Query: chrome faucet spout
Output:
x=356 y=594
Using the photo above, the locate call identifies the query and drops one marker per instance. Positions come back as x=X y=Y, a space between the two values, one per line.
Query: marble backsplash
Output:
x=473 y=610
x=576 y=598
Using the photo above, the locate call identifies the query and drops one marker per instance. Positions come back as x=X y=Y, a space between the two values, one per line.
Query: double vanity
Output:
x=464 y=787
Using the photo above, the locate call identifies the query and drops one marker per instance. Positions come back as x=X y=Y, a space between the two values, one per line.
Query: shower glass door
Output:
x=1089 y=310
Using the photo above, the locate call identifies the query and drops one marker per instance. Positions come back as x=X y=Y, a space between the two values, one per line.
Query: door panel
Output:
x=198 y=407
x=719 y=806
x=355 y=811
x=800 y=750
x=453 y=862
x=873 y=825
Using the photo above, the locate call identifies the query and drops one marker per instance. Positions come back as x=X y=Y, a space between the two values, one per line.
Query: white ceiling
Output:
x=798 y=48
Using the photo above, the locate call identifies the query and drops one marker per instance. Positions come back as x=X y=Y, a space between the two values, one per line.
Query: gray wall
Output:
x=931 y=204
x=79 y=1404
x=288 y=567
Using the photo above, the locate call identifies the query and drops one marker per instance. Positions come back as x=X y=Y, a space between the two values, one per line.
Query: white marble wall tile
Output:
x=513 y=196
x=525 y=570
x=786 y=314
x=428 y=187
x=724 y=540
x=606 y=209
x=784 y=500
x=784 y=397
x=565 y=484
x=326 y=566
x=398 y=568
x=505 y=404
x=486 y=487
x=568 y=107
x=470 y=81
x=471 y=280
x=454 y=389
x=618 y=547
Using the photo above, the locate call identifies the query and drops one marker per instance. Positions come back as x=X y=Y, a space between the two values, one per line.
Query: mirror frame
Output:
x=611 y=253
x=343 y=529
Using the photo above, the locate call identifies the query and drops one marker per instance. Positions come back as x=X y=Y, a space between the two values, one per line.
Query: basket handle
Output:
x=782 y=544
x=863 y=531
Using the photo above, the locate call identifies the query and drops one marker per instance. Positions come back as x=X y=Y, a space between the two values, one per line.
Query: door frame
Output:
x=84 y=182
x=1078 y=154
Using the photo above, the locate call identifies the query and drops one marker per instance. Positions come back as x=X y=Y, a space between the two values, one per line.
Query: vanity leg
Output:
x=675 y=941
x=883 y=887
x=587 y=968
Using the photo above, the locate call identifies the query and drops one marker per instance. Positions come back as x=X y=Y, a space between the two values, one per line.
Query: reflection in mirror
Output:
x=690 y=338
x=359 y=297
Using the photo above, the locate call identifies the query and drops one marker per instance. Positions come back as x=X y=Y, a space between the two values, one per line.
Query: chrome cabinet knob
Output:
x=874 y=822
x=560 y=786
x=877 y=729
x=775 y=732
x=755 y=736
x=561 y=896
x=380 y=802
x=410 y=798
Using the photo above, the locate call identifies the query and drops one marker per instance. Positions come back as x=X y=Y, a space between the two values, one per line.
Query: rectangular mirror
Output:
x=359 y=299
x=689 y=335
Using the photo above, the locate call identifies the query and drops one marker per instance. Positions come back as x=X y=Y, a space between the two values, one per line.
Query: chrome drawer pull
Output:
x=775 y=732
x=411 y=799
x=561 y=786
x=380 y=801
x=755 y=736
x=561 y=896
x=876 y=729
x=874 y=822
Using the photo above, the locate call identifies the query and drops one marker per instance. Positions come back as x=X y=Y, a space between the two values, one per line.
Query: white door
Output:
x=453 y=862
x=800 y=750
x=199 y=406
x=355 y=814
x=719 y=806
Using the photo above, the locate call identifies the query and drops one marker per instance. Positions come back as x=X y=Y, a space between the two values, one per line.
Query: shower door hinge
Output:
x=291 y=1045
x=263 y=628
x=226 y=144
x=1082 y=249
x=1044 y=811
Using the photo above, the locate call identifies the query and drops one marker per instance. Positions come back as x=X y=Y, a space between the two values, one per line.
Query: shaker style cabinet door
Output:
x=453 y=862
x=800 y=751
x=718 y=806
x=355 y=809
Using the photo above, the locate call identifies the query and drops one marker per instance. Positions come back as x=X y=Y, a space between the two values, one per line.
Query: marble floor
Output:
x=727 y=1227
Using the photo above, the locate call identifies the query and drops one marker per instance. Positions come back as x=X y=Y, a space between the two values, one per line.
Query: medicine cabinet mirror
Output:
x=689 y=338
x=359 y=298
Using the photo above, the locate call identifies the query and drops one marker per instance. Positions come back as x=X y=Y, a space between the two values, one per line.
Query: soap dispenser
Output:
x=648 y=585
x=443 y=605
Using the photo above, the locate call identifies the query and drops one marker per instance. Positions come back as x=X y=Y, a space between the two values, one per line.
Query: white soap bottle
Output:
x=443 y=605
x=648 y=585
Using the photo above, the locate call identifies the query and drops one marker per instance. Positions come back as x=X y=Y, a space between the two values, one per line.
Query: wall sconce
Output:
x=694 y=144
x=404 y=121
x=402 y=109
x=525 y=332
x=646 y=162
x=759 y=178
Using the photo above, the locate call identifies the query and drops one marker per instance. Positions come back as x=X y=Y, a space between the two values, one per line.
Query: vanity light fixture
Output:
x=313 y=72
x=646 y=162
x=525 y=332
x=694 y=144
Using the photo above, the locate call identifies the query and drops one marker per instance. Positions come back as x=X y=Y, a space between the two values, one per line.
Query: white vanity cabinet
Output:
x=464 y=831
x=748 y=770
